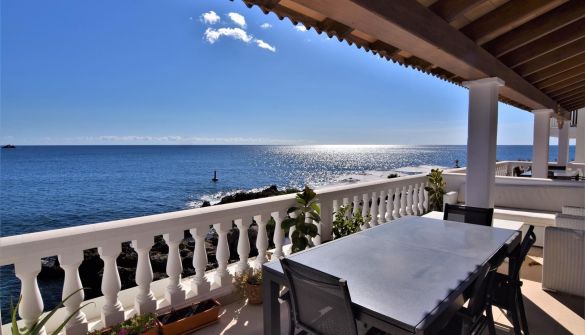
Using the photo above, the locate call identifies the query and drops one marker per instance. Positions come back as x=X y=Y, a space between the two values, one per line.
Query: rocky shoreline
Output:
x=91 y=269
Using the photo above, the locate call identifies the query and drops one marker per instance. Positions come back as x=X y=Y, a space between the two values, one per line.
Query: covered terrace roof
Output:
x=537 y=47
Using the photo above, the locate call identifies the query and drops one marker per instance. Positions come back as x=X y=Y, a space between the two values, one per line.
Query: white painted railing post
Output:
x=396 y=210
x=278 y=237
x=70 y=262
x=31 y=304
x=403 y=202
x=415 y=199
x=112 y=310
x=317 y=239
x=366 y=210
x=222 y=254
x=382 y=207
x=199 y=285
x=144 y=302
x=175 y=292
x=326 y=225
x=243 y=244
x=261 y=239
x=356 y=205
x=374 y=209
x=389 y=205
x=421 y=198
x=408 y=200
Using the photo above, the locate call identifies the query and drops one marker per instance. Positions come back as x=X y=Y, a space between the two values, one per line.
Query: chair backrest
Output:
x=468 y=214
x=482 y=287
x=321 y=303
x=525 y=246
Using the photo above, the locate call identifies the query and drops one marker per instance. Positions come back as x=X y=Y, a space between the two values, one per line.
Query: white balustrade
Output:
x=222 y=254
x=31 y=303
x=175 y=292
x=73 y=292
x=261 y=239
x=384 y=200
x=112 y=311
x=199 y=285
x=243 y=244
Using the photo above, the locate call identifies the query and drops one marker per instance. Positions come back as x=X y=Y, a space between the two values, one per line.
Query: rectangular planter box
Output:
x=190 y=318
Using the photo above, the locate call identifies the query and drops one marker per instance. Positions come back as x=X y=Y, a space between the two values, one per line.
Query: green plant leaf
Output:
x=316 y=208
x=288 y=223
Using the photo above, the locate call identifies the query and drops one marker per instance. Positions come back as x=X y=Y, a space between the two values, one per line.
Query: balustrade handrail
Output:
x=49 y=243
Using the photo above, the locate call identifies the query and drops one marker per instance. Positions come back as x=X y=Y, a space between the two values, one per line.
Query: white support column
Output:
x=482 y=133
x=563 y=154
x=580 y=141
x=540 y=142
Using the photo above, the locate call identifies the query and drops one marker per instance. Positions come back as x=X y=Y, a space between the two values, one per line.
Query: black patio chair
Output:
x=471 y=320
x=507 y=288
x=468 y=214
x=320 y=303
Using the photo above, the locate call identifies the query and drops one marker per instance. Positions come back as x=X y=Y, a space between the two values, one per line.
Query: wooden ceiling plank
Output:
x=545 y=44
x=571 y=94
x=560 y=68
x=536 y=28
x=551 y=58
x=507 y=17
x=576 y=105
x=566 y=90
x=564 y=83
x=330 y=25
x=450 y=10
x=561 y=77
x=578 y=95
x=384 y=49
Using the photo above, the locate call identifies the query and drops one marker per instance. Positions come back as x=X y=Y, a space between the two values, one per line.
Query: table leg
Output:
x=271 y=306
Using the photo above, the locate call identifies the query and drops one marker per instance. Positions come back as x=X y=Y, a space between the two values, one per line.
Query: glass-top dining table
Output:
x=404 y=277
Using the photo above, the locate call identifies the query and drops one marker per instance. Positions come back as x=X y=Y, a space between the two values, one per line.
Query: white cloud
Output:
x=264 y=45
x=210 y=17
x=265 y=25
x=300 y=27
x=212 y=35
x=238 y=19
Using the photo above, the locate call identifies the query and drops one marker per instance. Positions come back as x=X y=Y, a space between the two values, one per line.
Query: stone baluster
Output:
x=356 y=205
x=278 y=234
x=415 y=199
x=348 y=213
x=261 y=238
x=222 y=254
x=366 y=210
x=326 y=224
x=243 y=244
x=72 y=286
x=403 y=202
x=374 y=210
x=317 y=239
x=175 y=292
x=199 y=285
x=421 y=198
x=31 y=303
x=389 y=205
x=408 y=208
x=382 y=207
x=426 y=201
x=112 y=310
x=396 y=211
x=144 y=302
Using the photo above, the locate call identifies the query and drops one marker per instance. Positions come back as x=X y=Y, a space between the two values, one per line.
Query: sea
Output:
x=48 y=187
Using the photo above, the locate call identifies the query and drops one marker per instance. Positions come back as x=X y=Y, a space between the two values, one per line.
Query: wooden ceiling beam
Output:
x=328 y=25
x=551 y=58
x=507 y=17
x=575 y=105
x=571 y=94
x=560 y=68
x=450 y=10
x=536 y=28
x=564 y=83
x=561 y=77
x=569 y=89
x=384 y=49
x=545 y=44
x=579 y=95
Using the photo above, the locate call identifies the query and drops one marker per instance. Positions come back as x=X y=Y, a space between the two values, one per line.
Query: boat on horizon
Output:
x=8 y=146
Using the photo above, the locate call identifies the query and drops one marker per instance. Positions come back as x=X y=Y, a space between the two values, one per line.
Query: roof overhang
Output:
x=537 y=47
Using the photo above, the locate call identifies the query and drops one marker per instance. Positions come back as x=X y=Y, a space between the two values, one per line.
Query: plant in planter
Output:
x=190 y=318
x=346 y=224
x=436 y=190
x=37 y=327
x=146 y=324
x=307 y=208
x=250 y=285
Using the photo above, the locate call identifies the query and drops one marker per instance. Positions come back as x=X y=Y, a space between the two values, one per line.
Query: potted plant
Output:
x=249 y=284
x=346 y=224
x=305 y=229
x=436 y=190
x=146 y=324
x=189 y=318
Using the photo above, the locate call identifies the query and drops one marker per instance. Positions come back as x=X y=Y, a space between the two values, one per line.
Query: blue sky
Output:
x=211 y=72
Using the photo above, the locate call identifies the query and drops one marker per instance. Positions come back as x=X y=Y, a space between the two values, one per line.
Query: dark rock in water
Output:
x=206 y=204
x=50 y=268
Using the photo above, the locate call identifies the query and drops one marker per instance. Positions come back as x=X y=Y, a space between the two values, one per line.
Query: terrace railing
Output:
x=503 y=168
x=385 y=200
